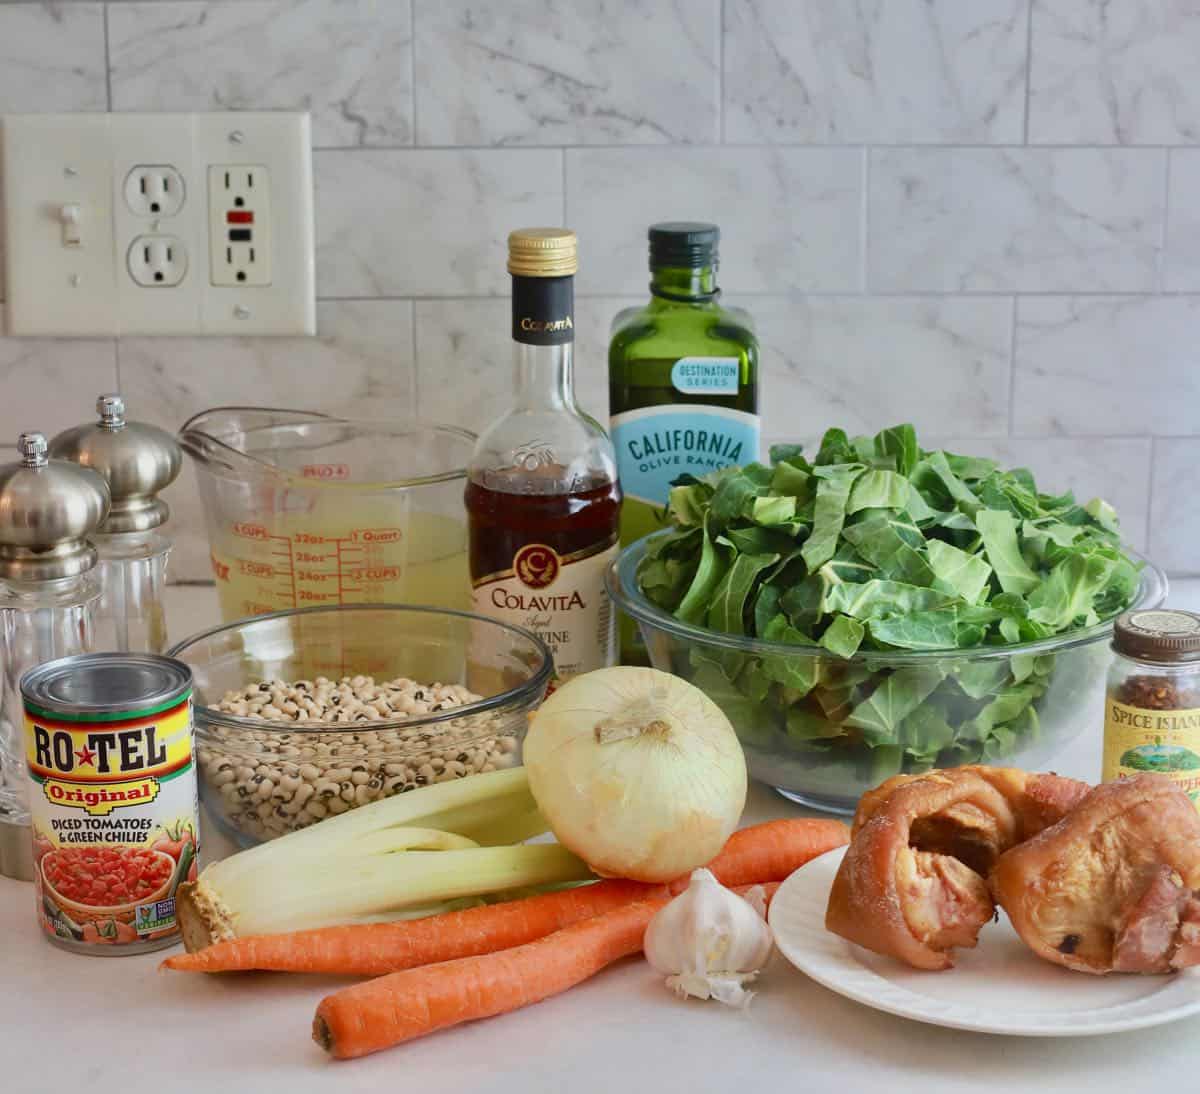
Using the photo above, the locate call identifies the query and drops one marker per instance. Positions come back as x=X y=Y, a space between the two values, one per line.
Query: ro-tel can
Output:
x=113 y=798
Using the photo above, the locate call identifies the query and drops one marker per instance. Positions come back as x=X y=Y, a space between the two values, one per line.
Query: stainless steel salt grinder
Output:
x=48 y=597
x=137 y=461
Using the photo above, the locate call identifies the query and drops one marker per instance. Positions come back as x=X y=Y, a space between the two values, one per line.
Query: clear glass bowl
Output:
x=253 y=773
x=826 y=764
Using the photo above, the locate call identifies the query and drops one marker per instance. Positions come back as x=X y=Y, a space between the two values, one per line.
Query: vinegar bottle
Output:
x=542 y=497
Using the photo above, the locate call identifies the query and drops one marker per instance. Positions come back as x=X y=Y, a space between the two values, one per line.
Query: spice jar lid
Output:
x=137 y=460
x=1158 y=634
x=48 y=508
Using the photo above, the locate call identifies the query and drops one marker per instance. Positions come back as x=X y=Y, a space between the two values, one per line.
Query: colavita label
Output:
x=561 y=598
x=1163 y=741
x=113 y=806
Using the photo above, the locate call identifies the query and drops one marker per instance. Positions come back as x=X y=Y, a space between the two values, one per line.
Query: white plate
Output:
x=998 y=987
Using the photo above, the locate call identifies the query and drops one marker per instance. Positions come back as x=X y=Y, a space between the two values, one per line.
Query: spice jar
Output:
x=48 y=597
x=1152 y=709
x=137 y=461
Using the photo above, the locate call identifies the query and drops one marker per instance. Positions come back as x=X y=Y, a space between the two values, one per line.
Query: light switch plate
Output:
x=111 y=224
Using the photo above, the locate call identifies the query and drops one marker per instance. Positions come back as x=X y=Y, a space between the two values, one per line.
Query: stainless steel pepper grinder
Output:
x=137 y=461
x=48 y=597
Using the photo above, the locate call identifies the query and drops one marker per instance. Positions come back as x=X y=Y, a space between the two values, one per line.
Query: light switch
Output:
x=61 y=162
x=112 y=224
x=71 y=214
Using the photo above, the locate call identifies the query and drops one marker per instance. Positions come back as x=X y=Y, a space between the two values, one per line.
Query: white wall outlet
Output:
x=239 y=224
x=157 y=262
x=152 y=191
x=112 y=223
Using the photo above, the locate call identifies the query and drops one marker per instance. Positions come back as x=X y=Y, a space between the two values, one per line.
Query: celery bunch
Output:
x=412 y=854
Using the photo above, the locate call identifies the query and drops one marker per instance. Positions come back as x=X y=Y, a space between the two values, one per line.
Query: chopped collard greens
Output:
x=878 y=545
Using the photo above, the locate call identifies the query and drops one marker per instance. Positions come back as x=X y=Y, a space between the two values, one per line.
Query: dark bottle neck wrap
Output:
x=543 y=310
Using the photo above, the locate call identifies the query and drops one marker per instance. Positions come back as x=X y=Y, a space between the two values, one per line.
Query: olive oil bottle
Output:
x=683 y=385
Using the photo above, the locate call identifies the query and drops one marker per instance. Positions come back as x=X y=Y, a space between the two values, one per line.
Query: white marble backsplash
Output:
x=1015 y=219
x=538 y=72
x=896 y=71
x=981 y=216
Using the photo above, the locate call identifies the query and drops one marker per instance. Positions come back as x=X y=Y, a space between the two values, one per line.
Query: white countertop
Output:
x=69 y=1022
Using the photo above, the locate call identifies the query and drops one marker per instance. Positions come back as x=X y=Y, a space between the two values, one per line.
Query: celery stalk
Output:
x=388 y=841
x=477 y=804
x=391 y=858
x=349 y=887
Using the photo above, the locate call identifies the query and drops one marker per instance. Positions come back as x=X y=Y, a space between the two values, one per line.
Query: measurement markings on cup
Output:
x=306 y=568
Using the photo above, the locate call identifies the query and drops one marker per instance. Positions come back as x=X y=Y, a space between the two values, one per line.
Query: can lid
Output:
x=106 y=686
x=543 y=252
x=687 y=244
x=1158 y=634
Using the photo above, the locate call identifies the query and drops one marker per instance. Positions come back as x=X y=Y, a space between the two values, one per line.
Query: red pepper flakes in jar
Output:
x=1152 y=706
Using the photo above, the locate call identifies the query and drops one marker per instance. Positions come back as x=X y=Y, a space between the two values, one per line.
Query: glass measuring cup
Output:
x=304 y=509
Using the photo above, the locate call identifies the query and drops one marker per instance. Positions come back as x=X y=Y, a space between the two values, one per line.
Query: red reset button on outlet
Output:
x=235 y=217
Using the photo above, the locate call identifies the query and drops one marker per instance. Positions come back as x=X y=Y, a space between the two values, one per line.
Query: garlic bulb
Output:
x=709 y=941
x=636 y=771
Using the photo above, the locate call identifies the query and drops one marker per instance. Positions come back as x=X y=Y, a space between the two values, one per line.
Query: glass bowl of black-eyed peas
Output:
x=305 y=714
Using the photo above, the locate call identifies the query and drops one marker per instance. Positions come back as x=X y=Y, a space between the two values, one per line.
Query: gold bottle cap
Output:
x=542 y=252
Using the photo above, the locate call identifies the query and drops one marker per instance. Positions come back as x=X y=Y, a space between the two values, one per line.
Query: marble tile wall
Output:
x=981 y=216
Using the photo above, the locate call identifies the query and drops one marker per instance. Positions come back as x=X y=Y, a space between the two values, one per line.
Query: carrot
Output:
x=774 y=850
x=392 y=1009
x=762 y=853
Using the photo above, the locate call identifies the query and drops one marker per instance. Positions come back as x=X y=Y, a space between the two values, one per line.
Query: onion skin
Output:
x=637 y=772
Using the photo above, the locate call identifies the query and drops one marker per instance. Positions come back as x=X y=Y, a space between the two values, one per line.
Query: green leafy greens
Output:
x=877 y=545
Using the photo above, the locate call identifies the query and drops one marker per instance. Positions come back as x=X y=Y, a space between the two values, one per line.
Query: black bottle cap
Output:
x=683 y=243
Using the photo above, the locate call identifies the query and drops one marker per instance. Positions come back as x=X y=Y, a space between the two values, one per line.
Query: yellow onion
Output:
x=636 y=771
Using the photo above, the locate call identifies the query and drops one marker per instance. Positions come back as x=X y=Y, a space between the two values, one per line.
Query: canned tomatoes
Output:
x=108 y=740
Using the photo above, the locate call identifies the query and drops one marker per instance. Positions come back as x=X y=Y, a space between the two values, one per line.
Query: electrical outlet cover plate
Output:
x=80 y=189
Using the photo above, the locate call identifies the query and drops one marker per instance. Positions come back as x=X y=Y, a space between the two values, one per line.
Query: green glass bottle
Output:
x=682 y=383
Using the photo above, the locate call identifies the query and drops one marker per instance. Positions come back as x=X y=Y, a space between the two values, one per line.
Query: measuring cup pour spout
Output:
x=305 y=509
x=219 y=437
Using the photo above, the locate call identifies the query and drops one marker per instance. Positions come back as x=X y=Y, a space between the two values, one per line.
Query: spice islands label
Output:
x=1167 y=742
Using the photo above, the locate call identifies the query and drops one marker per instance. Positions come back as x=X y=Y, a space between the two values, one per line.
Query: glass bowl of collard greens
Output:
x=882 y=609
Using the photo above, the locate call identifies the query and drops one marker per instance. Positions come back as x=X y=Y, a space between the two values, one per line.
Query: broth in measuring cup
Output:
x=301 y=562
x=306 y=510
